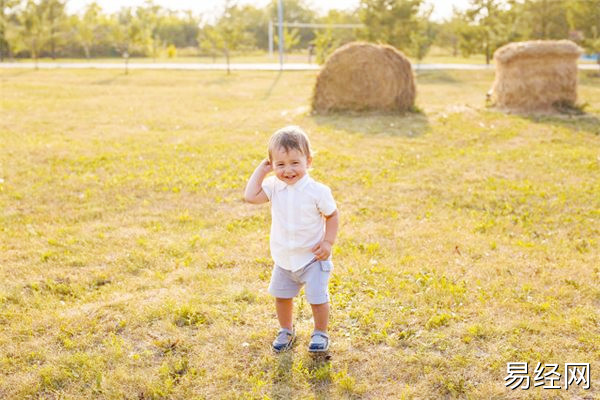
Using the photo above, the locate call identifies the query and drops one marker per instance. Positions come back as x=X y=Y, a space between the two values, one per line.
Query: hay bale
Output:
x=536 y=75
x=364 y=76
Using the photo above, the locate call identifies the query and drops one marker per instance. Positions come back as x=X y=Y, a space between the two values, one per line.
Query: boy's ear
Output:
x=308 y=161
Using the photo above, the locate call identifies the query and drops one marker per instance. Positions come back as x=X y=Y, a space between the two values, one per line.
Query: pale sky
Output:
x=442 y=8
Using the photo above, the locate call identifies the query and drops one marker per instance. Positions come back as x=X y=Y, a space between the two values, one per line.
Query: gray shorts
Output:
x=286 y=284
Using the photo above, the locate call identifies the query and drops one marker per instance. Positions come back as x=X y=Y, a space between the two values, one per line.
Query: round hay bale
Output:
x=538 y=75
x=365 y=76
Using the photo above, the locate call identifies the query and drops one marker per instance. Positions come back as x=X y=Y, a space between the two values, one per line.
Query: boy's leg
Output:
x=319 y=340
x=284 y=309
x=286 y=335
x=321 y=316
x=317 y=294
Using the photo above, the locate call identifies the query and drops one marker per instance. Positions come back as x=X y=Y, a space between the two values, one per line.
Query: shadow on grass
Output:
x=320 y=373
x=270 y=90
x=282 y=388
x=318 y=369
x=588 y=123
x=435 y=76
x=409 y=124
x=591 y=78
x=12 y=74
x=110 y=80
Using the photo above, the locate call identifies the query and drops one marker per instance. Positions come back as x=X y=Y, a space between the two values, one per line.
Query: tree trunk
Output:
x=227 y=60
x=3 y=30
x=34 y=54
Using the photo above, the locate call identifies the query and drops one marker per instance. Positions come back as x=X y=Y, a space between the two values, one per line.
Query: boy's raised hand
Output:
x=266 y=166
x=322 y=250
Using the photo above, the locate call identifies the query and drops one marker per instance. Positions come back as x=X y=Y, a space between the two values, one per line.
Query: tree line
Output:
x=44 y=28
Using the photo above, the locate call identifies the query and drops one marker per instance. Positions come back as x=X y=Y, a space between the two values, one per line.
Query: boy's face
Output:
x=289 y=166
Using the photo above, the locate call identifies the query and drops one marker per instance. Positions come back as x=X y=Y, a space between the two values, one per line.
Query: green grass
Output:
x=131 y=268
x=436 y=56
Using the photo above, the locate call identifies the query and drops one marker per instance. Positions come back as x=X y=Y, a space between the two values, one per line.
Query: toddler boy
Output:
x=303 y=230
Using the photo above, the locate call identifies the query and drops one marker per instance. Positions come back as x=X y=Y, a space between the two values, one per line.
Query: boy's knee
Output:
x=284 y=299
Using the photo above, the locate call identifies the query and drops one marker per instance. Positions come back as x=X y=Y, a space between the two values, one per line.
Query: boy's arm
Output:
x=254 y=193
x=322 y=250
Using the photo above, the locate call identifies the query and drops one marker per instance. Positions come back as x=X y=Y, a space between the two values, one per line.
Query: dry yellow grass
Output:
x=131 y=268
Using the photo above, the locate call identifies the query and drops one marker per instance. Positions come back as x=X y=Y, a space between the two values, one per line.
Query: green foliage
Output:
x=291 y=39
x=128 y=34
x=584 y=20
x=328 y=39
x=390 y=21
x=489 y=25
x=40 y=28
x=171 y=51
x=227 y=34
x=422 y=37
x=324 y=44
x=295 y=11
x=543 y=19
x=33 y=31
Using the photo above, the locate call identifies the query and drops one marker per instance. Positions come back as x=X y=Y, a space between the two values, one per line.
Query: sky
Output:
x=442 y=8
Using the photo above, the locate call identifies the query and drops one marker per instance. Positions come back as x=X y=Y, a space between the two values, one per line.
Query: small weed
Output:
x=188 y=315
x=437 y=321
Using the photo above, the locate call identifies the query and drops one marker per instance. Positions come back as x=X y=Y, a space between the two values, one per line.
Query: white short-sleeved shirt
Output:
x=298 y=219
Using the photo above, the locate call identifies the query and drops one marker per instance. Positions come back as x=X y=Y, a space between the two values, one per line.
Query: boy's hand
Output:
x=322 y=250
x=266 y=166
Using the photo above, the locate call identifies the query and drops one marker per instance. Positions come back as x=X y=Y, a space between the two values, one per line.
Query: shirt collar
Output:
x=301 y=184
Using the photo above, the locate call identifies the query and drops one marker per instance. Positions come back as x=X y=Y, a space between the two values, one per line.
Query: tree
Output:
x=256 y=21
x=485 y=17
x=329 y=39
x=389 y=21
x=545 y=19
x=149 y=17
x=449 y=32
x=584 y=18
x=128 y=36
x=295 y=11
x=7 y=20
x=422 y=38
x=291 y=39
x=324 y=43
x=86 y=28
x=33 y=32
x=54 y=21
x=228 y=34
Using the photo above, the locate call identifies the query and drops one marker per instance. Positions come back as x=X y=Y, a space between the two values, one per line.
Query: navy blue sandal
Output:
x=284 y=340
x=319 y=342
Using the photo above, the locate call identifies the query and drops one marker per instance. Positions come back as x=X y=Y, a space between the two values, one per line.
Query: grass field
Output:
x=131 y=268
x=437 y=56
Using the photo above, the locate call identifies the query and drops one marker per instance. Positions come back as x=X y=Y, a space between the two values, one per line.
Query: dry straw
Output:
x=363 y=76
x=537 y=75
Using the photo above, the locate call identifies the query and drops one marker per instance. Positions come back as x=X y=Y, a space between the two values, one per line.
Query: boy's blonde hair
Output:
x=290 y=138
